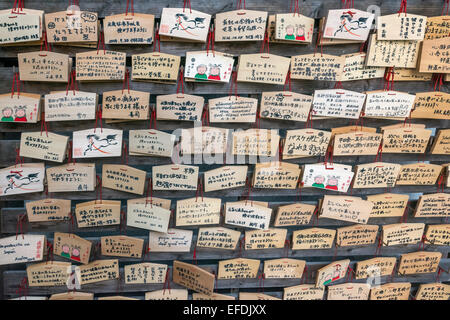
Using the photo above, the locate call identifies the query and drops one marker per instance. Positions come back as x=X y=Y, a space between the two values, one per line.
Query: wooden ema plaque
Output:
x=284 y=268
x=431 y=105
x=329 y=177
x=388 y=104
x=238 y=268
x=313 y=238
x=356 y=235
x=405 y=140
x=198 y=211
x=419 y=262
x=71 y=177
x=293 y=27
x=355 y=68
x=338 y=103
x=345 y=208
x=357 y=143
x=226 y=177
x=72 y=27
x=155 y=67
x=433 y=291
x=151 y=142
x=100 y=65
x=218 y=238
x=401 y=26
x=68 y=106
x=285 y=105
x=271 y=30
x=97 y=213
x=256 y=142
x=71 y=246
x=174 y=240
x=48 y=210
x=272 y=238
x=441 y=143
x=433 y=205
x=122 y=246
x=388 y=205
x=22 y=26
x=434 y=56
x=232 y=109
x=294 y=214
x=204 y=140
x=303 y=292
x=135 y=28
x=322 y=67
x=98 y=270
x=305 y=143
x=126 y=105
x=438 y=234
x=332 y=273
x=95 y=143
x=437 y=27
x=208 y=66
x=48 y=274
x=276 y=175
x=184 y=25
x=175 y=177
x=43 y=145
x=149 y=214
x=20 y=107
x=256 y=296
x=23 y=178
x=402 y=233
x=375 y=267
x=145 y=273
x=72 y=295
x=169 y=294
x=247 y=214
x=376 y=175
x=213 y=296
x=193 y=277
x=419 y=174
x=392 y=53
x=349 y=291
x=183 y=107
x=44 y=66
x=21 y=249
x=262 y=68
x=405 y=74
x=123 y=178
x=240 y=25
x=349 y=24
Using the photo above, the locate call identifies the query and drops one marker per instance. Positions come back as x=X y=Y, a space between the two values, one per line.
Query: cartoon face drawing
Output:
x=65 y=251
x=21 y=114
x=319 y=181
x=75 y=254
x=214 y=73
x=349 y=23
x=332 y=183
x=7 y=114
x=290 y=33
x=201 y=72
x=300 y=33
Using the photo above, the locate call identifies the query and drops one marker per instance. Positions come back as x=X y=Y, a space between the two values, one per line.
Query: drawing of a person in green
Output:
x=7 y=114
x=65 y=251
x=319 y=182
x=201 y=72
x=290 y=32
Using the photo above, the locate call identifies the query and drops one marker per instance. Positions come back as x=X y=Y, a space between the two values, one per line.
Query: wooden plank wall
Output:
x=13 y=206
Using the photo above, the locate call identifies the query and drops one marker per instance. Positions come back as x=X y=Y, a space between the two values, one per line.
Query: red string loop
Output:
x=295 y=8
x=20 y=225
x=233 y=85
x=166 y=282
x=445 y=7
x=126 y=80
x=438 y=80
x=239 y=5
x=132 y=8
x=45 y=43
x=288 y=81
x=98 y=118
x=22 y=290
x=185 y=3
x=149 y=191
x=180 y=81
x=210 y=41
x=266 y=40
x=15 y=84
x=99 y=189
x=403 y=5
x=44 y=124
x=101 y=41
x=157 y=40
